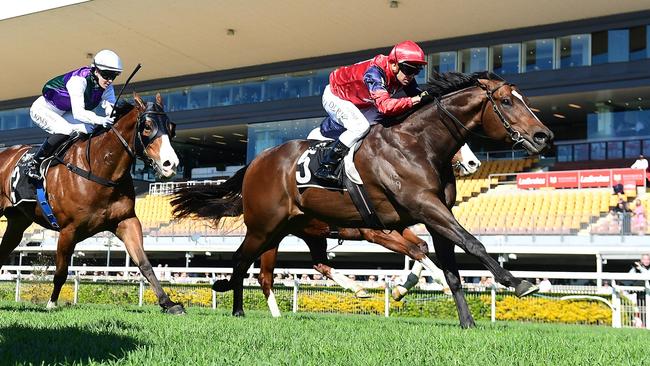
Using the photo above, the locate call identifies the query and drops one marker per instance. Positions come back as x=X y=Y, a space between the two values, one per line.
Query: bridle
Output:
x=140 y=144
x=162 y=125
x=512 y=133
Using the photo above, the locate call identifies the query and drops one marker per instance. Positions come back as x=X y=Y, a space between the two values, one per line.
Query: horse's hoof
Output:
x=238 y=313
x=221 y=286
x=525 y=288
x=362 y=294
x=398 y=294
x=177 y=309
x=50 y=305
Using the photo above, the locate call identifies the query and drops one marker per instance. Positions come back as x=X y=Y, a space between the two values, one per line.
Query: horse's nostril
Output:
x=540 y=137
x=167 y=163
x=472 y=163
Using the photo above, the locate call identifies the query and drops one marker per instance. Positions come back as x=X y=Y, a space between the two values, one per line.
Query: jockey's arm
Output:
x=108 y=100
x=412 y=89
x=386 y=105
x=76 y=87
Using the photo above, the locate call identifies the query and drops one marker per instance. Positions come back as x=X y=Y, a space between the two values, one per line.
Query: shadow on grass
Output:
x=21 y=344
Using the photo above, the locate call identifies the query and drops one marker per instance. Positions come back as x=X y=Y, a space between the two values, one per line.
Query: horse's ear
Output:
x=138 y=101
x=159 y=100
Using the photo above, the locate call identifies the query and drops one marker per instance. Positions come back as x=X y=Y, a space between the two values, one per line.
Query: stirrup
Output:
x=327 y=174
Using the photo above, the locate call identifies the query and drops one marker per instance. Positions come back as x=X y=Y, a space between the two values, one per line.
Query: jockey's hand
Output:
x=106 y=122
x=425 y=97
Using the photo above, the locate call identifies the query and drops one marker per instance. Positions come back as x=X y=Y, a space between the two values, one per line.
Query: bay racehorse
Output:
x=84 y=207
x=464 y=163
x=406 y=172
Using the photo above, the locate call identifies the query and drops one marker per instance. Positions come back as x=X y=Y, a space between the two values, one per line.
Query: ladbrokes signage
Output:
x=630 y=178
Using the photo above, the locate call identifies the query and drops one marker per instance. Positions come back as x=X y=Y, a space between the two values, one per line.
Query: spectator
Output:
x=640 y=163
x=624 y=214
x=619 y=189
x=639 y=221
x=545 y=285
x=605 y=289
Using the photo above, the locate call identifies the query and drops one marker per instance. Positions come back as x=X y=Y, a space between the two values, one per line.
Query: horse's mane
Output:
x=122 y=109
x=441 y=84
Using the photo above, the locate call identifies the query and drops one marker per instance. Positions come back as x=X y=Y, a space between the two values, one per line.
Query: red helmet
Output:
x=409 y=52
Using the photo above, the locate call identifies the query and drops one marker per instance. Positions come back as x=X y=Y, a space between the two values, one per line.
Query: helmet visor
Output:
x=108 y=74
x=409 y=69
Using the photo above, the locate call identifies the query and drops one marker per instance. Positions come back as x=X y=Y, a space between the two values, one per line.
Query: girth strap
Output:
x=86 y=174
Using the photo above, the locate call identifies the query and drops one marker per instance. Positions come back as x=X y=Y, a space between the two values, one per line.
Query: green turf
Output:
x=96 y=334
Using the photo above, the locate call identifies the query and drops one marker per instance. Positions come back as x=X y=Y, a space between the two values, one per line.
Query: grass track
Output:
x=94 y=335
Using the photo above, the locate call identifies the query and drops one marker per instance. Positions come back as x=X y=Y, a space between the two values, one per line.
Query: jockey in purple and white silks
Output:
x=67 y=103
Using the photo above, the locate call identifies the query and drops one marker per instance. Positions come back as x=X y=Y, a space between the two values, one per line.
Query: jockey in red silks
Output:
x=362 y=93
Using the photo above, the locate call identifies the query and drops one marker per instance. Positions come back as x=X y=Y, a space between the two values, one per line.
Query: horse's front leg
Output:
x=130 y=232
x=64 y=249
x=439 y=220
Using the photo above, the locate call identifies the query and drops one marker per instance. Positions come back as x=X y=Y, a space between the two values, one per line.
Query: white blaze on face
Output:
x=520 y=97
x=168 y=159
x=469 y=161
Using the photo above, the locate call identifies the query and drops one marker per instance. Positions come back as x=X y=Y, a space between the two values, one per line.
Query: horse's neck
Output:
x=439 y=134
x=109 y=159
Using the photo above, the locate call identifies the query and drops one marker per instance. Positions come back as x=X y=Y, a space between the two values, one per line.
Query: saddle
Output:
x=25 y=190
x=350 y=181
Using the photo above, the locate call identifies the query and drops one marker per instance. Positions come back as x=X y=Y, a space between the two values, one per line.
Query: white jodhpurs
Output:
x=347 y=115
x=54 y=120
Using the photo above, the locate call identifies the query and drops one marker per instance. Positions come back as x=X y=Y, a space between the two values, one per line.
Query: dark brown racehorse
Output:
x=406 y=171
x=464 y=163
x=85 y=207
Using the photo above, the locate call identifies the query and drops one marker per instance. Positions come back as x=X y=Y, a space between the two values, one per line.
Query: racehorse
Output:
x=406 y=172
x=464 y=163
x=103 y=199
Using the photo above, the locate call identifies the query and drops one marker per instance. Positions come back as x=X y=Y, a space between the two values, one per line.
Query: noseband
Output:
x=140 y=144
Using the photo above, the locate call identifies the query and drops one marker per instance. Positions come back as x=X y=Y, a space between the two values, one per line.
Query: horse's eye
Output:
x=506 y=101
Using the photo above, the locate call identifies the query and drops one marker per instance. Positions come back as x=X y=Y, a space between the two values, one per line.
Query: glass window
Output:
x=599 y=47
x=262 y=136
x=646 y=147
x=615 y=150
x=619 y=45
x=443 y=61
x=632 y=148
x=613 y=46
x=177 y=100
x=200 y=96
x=473 y=59
x=598 y=151
x=539 y=54
x=580 y=152
x=574 y=50
x=639 y=43
x=505 y=58
x=564 y=153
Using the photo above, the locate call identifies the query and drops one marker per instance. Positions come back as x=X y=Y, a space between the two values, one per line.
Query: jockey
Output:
x=68 y=101
x=362 y=93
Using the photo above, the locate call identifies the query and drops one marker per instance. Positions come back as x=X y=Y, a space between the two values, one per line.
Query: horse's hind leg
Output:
x=267 y=265
x=318 y=250
x=17 y=223
x=253 y=246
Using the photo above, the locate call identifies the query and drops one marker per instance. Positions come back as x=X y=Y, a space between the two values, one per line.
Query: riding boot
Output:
x=50 y=144
x=328 y=167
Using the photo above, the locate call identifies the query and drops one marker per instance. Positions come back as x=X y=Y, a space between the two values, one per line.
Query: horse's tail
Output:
x=210 y=201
